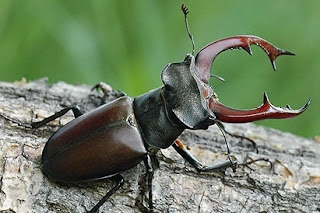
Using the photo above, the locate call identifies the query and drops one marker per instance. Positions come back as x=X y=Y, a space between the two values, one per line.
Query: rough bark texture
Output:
x=292 y=185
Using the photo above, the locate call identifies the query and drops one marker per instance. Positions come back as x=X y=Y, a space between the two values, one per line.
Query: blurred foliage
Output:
x=127 y=43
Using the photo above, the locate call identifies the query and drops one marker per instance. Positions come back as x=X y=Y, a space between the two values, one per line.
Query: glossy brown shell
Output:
x=96 y=145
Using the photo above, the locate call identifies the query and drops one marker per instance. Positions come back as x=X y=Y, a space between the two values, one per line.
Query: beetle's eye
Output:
x=207 y=92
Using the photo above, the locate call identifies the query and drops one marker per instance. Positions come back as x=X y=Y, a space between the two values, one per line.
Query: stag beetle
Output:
x=118 y=135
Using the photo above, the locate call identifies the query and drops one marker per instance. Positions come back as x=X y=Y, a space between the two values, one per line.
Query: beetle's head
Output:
x=186 y=95
x=192 y=100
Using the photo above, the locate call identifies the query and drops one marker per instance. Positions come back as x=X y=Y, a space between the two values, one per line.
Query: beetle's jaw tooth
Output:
x=207 y=55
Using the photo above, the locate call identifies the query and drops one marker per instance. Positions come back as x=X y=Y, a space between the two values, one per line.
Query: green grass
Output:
x=127 y=43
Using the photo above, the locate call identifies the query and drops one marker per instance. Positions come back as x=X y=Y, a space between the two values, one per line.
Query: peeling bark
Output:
x=292 y=185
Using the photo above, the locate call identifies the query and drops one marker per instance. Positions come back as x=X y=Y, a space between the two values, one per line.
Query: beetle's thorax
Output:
x=156 y=128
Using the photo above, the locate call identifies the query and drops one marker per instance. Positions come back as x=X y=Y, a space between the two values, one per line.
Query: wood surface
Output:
x=291 y=184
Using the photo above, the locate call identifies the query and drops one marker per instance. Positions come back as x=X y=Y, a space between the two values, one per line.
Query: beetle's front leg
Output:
x=182 y=150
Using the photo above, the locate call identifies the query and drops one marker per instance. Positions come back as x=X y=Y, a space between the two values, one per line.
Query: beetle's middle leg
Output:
x=120 y=180
x=149 y=169
x=75 y=109
x=182 y=150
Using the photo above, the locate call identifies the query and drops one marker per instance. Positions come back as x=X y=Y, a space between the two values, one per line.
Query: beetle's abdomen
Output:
x=96 y=145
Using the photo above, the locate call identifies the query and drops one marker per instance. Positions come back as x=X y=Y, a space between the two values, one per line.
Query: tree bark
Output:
x=292 y=184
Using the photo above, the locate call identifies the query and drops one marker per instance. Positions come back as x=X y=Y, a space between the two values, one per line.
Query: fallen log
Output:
x=291 y=184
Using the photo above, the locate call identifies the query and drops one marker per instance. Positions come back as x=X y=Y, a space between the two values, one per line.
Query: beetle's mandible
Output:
x=117 y=136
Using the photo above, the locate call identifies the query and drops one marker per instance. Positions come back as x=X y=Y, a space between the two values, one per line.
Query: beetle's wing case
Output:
x=96 y=145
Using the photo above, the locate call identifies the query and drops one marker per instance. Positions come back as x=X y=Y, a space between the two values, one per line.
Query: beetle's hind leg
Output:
x=120 y=180
x=75 y=109
x=107 y=91
x=106 y=88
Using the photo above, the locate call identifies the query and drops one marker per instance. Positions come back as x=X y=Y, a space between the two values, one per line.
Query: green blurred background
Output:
x=127 y=43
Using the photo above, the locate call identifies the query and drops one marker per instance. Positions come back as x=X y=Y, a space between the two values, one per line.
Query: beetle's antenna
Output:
x=185 y=11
